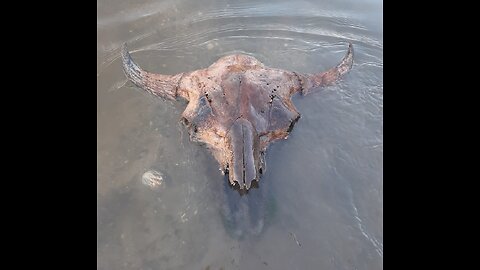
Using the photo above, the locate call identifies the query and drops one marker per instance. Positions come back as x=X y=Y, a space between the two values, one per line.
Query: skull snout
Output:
x=244 y=164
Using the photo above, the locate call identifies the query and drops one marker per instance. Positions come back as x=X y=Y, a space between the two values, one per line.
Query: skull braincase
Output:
x=238 y=87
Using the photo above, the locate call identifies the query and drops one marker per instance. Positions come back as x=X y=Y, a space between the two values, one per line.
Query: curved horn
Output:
x=160 y=85
x=311 y=81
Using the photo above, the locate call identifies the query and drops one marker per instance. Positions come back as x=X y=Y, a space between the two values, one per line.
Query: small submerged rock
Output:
x=153 y=179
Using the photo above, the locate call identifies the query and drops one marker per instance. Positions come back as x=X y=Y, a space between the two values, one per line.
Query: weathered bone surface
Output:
x=237 y=106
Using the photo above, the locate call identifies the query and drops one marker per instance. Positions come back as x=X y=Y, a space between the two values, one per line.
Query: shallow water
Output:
x=324 y=184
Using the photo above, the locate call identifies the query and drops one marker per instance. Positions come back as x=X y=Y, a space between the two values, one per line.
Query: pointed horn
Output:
x=311 y=81
x=160 y=85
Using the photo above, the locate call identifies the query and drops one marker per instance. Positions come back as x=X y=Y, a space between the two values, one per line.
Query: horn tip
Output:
x=348 y=59
x=124 y=52
x=129 y=65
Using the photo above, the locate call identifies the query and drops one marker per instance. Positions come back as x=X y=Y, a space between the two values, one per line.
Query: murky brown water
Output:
x=325 y=183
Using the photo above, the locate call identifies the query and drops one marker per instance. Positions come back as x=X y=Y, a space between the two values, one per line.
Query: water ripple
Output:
x=309 y=29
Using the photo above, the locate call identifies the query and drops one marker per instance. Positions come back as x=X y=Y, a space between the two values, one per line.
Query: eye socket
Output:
x=190 y=125
x=291 y=126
